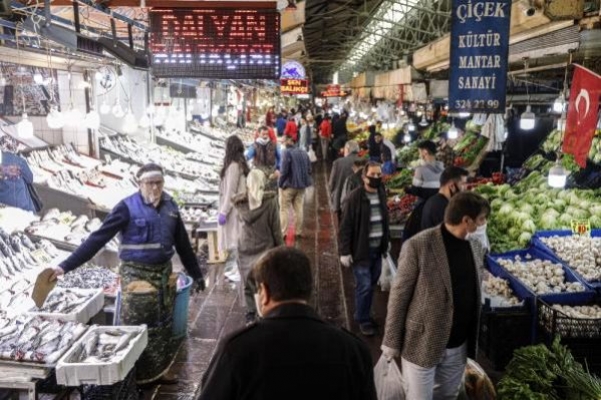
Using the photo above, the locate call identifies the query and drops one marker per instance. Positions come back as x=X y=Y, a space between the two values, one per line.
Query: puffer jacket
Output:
x=259 y=229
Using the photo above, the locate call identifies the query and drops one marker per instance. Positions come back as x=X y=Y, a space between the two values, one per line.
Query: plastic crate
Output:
x=81 y=314
x=552 y=322
x=101 y=373
x=538 y=243
x=503 y=330
x=524 y=292
x=124 y=390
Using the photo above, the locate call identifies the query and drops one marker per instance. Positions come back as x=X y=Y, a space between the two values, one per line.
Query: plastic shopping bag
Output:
x=388 y=380
x=312 y=156
x=478 y=385
x=388 y=273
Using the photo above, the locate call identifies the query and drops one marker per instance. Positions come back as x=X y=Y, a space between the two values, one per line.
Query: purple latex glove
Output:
x=221 y=219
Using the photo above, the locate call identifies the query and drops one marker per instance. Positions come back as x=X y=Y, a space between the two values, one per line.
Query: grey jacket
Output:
x=341 y=169
x=259 y=229
x=420 y=306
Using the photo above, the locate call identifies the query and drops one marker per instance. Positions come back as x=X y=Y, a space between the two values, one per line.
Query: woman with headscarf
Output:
x=15 y=177
x=259 y=231
x=233 y=182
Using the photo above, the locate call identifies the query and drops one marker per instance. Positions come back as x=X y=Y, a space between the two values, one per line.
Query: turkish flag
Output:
x=582 y=114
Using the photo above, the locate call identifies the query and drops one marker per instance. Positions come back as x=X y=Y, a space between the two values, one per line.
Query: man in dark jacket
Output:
x=341 y=169
x=355 y=180
x=452 y=181
x=295 y=177
x=364 y=239
x=291 y=353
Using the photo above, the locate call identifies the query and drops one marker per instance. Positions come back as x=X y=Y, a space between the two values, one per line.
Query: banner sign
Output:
x=334 y=91
x=294 y=86
x=583 y=114
x=479 y=54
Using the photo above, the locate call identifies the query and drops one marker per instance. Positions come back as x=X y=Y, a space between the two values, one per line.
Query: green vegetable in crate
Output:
x=400 y=180
x=547 y=373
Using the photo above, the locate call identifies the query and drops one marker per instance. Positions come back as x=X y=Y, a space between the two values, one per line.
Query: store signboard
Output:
x=215 y=43
x=293 y=70
x=334 y=91
x=294 y=86
x=479 y=54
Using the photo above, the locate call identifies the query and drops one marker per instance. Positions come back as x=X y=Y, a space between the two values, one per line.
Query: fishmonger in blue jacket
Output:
x=151 y=231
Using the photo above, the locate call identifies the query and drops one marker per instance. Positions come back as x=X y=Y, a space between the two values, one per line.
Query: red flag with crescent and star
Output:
x=583 y=112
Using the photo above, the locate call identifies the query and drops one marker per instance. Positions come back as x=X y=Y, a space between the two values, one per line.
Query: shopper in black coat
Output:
x=291 y=353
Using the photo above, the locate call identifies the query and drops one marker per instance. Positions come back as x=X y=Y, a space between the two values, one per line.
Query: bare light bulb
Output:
x=25 y=127
x=117 y=110
x=38 y=79
x=105 y=108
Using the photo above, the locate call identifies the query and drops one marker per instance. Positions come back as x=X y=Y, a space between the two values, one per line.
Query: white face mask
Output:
x=480 y=230
x=258 y=304
x=262 y=141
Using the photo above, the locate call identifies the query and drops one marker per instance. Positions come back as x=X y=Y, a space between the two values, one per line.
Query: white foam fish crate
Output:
x=81 y=314
x=76 y=374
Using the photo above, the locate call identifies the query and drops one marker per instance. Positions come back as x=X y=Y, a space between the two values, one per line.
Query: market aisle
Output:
x=217 y=312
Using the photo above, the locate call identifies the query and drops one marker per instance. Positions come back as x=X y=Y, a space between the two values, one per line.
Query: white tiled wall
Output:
x=78 y=134
x=41 y=129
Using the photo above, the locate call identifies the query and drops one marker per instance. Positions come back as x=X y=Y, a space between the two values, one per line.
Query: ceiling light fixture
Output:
x=527 y=119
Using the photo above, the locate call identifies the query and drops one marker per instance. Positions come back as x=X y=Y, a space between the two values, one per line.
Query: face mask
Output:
x=480 y=230
x=262 y=141
x=374 y=183
x=258 y=304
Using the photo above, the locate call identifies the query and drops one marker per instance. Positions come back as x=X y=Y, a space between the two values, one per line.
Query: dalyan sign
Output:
x=479 y=49
x=294 y=86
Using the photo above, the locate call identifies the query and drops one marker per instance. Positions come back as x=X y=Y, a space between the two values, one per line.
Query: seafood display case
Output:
x=67 y=231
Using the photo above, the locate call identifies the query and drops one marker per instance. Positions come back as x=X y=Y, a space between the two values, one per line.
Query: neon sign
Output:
x=215 y=43
x=294 y=86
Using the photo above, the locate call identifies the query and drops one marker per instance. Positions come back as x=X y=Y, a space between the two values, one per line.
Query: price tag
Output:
x=41 y=256
x=581 y=228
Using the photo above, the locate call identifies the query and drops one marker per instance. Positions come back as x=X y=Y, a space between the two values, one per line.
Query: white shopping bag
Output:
x=388 y=273
x=312 y=156
x=388 y=380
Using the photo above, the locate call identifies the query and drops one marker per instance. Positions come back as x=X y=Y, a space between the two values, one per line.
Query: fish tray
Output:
x=83 y=313
x=103 y=373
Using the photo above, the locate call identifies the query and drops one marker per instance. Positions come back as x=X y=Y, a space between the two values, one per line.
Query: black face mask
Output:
x=374 y=183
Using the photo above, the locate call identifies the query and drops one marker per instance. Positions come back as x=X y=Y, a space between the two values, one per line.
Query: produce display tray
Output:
x=83 y=313
x=553 y=322
x=76 y=374
x=523 y=292
x=537 y=242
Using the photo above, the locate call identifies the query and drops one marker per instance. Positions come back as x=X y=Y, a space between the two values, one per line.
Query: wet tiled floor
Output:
x=217 y=311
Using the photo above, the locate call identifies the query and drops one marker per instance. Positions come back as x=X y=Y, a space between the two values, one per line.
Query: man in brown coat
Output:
x=434 y=304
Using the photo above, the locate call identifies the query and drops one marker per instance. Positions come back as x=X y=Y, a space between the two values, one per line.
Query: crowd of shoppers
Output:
x=432 y=319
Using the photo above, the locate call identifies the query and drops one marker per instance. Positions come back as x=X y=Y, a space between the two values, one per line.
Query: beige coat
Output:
x=232 y=184
x=420 y=306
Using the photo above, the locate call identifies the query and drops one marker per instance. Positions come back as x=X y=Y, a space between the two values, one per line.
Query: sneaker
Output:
x=367 y=329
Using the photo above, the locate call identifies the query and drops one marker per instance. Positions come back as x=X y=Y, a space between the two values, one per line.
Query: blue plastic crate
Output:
x=537 y=242
x=524 y=292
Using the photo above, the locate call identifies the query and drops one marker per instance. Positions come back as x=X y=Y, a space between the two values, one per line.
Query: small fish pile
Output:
x=36 y=339
x=103 y=346
x=18 y=254
x=90 y=277
x=64 y=301
x=67 y=227
x=15 y=294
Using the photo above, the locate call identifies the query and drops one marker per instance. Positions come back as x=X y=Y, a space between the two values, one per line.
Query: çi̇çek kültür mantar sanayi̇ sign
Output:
x=479 y=48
